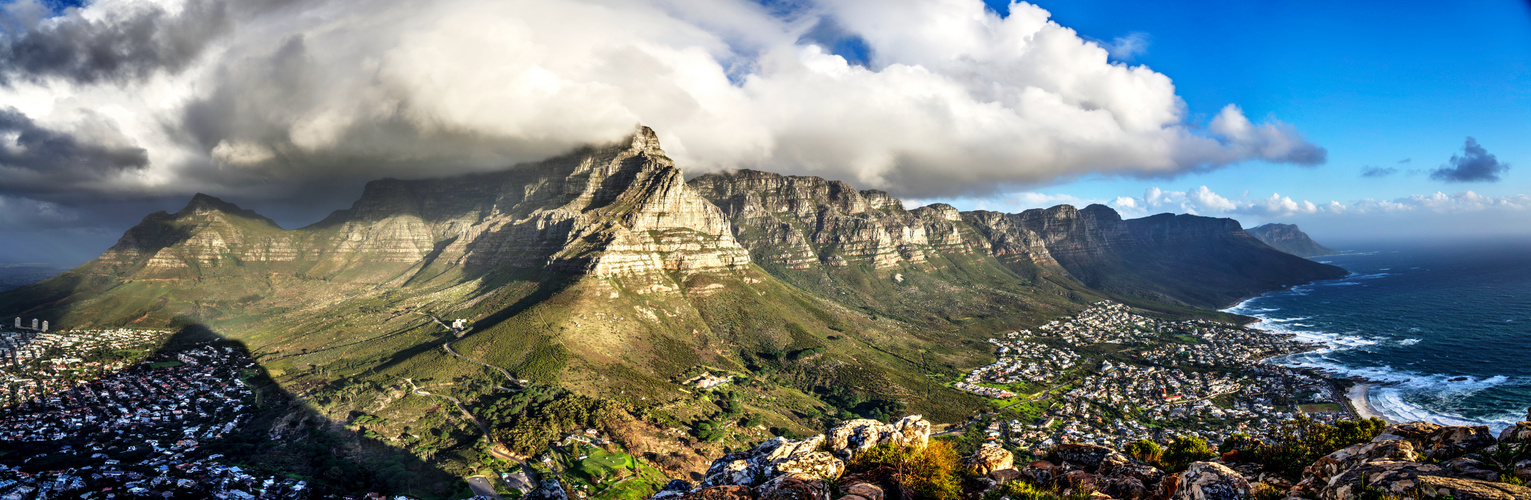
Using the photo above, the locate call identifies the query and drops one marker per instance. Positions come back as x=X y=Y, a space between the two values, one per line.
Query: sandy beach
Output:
x=1362 y=404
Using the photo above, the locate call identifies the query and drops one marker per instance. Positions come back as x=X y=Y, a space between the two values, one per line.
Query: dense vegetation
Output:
x=1296 y=443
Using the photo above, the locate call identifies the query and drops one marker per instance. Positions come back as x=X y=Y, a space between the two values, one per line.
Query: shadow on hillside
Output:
x=285 y=437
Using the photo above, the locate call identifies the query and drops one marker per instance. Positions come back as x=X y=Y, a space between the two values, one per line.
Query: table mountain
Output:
x=1289 y=239
x=603 y=271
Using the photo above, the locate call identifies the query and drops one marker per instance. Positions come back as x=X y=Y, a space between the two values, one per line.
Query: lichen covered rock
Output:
x=1211 y=481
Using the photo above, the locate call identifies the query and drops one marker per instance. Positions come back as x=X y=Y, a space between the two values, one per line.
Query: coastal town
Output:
x=92 y=414
x=34 y=361
x=1110 y=376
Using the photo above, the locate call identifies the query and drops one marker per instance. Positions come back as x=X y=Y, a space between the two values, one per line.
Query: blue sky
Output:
x=1395 y=85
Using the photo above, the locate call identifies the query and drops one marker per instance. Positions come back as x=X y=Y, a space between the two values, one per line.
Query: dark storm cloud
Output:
x=1373 y=171
x=126 y=45
x=1474 y=164
x=36 y=158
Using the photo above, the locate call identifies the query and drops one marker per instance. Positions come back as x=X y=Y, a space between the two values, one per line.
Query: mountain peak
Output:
x=203 y=204
x=644 y=139
x=1288 y=238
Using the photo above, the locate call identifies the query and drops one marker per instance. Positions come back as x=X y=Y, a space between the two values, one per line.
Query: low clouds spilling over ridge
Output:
x=138 y=98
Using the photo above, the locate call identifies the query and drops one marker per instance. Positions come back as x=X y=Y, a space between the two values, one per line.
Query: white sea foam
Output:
x=1391 y=400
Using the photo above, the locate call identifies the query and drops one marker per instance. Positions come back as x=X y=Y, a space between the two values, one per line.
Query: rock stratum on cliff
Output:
x=1289 y=239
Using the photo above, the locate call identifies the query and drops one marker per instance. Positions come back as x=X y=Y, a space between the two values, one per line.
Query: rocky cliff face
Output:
x=613 y=210
x=1289 y=239
x=1187 y=259
x=806 y=222
x=799 y=222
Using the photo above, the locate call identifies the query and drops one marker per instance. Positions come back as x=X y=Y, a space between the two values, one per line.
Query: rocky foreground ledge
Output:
x=1412 y=460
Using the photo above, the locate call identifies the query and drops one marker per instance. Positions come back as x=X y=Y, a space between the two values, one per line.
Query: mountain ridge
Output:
x=1288 y=238
x=603 y=271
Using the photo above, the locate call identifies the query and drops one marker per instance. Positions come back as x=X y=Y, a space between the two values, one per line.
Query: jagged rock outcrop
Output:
x=772 y=459
x=1415 y=480
x=852 y=437
x=1438 y=442
x=1288 y=238
x=1211 y=481
x=1394 y=464
x=1087 y=456
x=1336 y=463
x=1518 y=433
x=780 y=457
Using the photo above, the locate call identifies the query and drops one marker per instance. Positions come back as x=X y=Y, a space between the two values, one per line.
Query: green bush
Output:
x=1021 y=490
x=1145 y=450
x=1297 y=443
x=931 y=471
x=1183 y=451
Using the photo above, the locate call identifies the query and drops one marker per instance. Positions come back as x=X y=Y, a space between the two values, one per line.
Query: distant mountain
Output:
x=603 y=271
x=1289 y=239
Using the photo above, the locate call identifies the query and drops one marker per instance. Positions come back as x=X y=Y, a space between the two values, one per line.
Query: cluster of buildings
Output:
x=33 y=362
x=143 y=431
x=1023 y=361
x=20 y=325
x=1105 y=322
x=1172 y=378
x=1222 y=345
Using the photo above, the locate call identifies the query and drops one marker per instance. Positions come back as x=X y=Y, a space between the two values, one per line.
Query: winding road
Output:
x=448 y=346
x=464 y=409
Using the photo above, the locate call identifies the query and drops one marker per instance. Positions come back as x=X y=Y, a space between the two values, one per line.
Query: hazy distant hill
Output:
x=605 y=272
x=1289 y=239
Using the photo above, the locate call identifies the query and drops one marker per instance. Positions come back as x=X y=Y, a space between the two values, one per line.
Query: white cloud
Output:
x=954 y=99
x=1203 y=201
x=1125 y=48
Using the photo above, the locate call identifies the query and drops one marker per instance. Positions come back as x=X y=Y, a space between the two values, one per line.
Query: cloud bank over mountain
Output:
x=133 y=99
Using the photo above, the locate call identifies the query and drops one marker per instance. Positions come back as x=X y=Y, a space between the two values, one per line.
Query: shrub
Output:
x=1145 y=450
x=931 y=472
x=1185 y=450
x=1021 y=490
x=1296 y=443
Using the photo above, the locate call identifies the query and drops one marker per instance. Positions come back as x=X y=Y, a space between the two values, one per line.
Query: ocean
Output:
x=1446 y=326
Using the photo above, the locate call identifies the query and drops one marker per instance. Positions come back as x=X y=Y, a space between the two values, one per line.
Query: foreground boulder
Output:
x=990 y=458
x=1086 y=456
x=1518 y=433
x=795 y=486
x=1340 y=461
x=777 y=457
x=855 y=436
x=1415 y=480
x=1438 y=442
x=1211 y=481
